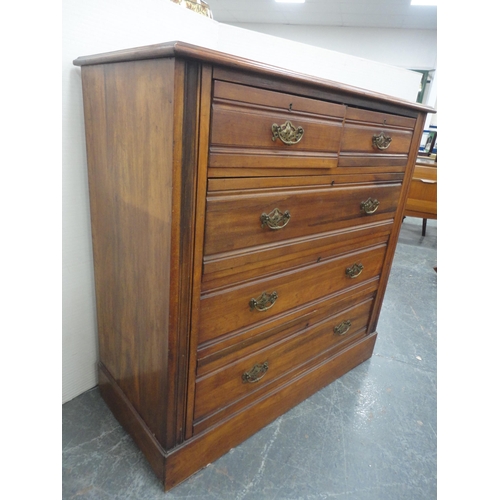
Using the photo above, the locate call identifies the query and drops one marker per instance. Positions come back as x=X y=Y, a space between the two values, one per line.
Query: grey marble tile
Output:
x=370 y=435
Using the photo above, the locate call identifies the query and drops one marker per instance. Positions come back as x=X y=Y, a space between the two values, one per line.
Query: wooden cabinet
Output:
x=244 y=221
x=422 y=197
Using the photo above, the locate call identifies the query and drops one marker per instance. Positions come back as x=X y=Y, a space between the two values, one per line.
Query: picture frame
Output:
x=428 y=144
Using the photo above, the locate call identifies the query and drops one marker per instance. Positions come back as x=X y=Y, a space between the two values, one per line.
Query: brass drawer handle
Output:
x=287 y=133
x=264 y=302
x=343 y=328
x=354 y=271
x=256 y=373
x=275 y=219
x=370 y=206
x=381 y=141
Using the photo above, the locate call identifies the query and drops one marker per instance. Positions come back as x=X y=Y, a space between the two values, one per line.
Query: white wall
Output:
x=411 y=49
x=90 y=27
x=96 y=26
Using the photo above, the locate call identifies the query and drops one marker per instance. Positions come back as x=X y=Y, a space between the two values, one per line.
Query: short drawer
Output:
x=379 y=138
x=360 y=139
x=240 y=378
x=257 y=217
x=237 y=307
x=260 y=128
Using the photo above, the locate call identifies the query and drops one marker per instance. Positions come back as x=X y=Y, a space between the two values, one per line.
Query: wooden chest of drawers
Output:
x=244 y=221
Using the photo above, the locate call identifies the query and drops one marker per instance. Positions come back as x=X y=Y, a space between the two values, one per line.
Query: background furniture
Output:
x=422 y=198
x=244 y=221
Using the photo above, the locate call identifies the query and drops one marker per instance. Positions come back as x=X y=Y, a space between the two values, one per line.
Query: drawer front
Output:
x=231 y=309
x=245 y=219
x=372 y=139
x=360 y=139
x=224 y=269
x=214 y=355
x=242 y=377
x=422 y=198
x=260 y=128
x=425 y=172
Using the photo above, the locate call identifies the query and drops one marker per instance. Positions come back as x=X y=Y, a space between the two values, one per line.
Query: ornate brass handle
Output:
x=287 y=133
x=343 y=328
x=381 y=141
x=264 y=302
x=256 y=373
x=370 y=206
x=275 y=219
x=355 y=270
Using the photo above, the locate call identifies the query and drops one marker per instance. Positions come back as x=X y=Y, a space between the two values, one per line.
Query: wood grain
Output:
x=131 y=206
x=222 y=387
x=213 y=355
x=257 y=262
x=422 y=197
x=227 y=310
x=233 y=220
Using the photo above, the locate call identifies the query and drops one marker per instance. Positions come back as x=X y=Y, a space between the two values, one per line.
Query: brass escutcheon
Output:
x=355 y=270
x=381 y=141
x=287 y=133
x=264 y=302
x=275 y=219
x=343 y=328
x=370 y=206
x=256 y=373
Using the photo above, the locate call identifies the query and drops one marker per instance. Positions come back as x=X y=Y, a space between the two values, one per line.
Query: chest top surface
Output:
x=185 y=50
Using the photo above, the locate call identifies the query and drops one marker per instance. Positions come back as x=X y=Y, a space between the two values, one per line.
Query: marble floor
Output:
x=370 y=435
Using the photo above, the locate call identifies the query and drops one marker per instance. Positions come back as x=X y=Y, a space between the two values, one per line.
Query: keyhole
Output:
x=290 y=107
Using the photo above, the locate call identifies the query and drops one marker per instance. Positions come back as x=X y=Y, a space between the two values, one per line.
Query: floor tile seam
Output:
x=344 y=451
x=90 y=441
x=414 y=248
x=87 y=392
x=350 y=492
x=257 y=477
x=423 y=369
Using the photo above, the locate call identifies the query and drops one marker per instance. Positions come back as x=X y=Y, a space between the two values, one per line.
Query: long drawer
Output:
x=243 y=376
x=242 y=305
x=213 y=355
x=242 y=265
x=243 y=219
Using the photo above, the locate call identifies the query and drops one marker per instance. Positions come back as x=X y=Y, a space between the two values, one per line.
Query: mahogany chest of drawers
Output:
x=244 y=221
